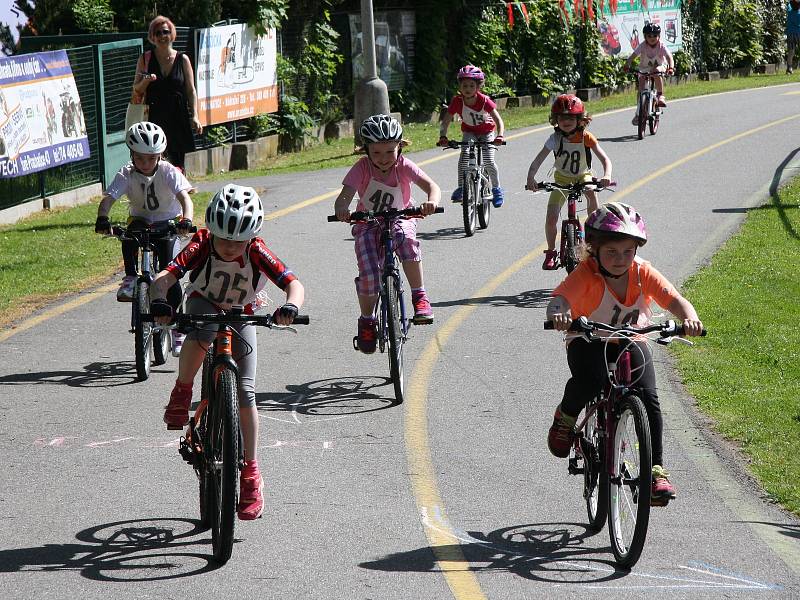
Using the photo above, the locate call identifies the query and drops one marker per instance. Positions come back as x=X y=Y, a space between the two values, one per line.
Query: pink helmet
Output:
x=616 y=219
x=470 y=72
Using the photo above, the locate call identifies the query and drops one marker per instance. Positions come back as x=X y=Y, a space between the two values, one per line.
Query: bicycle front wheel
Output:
x=485 y=206
x=595 y=476
x=469 y=205
x=224 y=454
x=206 y=481
x=396 y=337
x=570 y=254
x=143 y=332
x=653 y=122
x=644 y=110
x=629 y=485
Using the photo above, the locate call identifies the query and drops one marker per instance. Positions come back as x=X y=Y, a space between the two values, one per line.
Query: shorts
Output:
x=369 y=251
x=792 y=41
x=559 y=197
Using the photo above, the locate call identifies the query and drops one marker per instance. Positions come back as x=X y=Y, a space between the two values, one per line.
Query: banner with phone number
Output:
x=621 y=32
x=41 y=120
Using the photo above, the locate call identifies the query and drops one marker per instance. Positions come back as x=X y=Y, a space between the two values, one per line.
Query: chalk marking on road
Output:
x=463 y=583
x=108 y=442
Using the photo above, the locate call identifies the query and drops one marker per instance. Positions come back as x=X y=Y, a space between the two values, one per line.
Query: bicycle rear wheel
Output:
x=143 y=332
x=569 y=256
x=224 y=454
x=644 y=110
x=396 y=337
x=469 y=205
x=629 y=486
x=595 y=476
x=484 y=206
x=205 y=474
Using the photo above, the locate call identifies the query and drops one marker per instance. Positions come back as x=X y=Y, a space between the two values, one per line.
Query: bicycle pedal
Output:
x=186 y=451
x=659 y=501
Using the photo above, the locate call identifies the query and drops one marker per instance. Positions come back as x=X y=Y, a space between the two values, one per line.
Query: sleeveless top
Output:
x=167 y=101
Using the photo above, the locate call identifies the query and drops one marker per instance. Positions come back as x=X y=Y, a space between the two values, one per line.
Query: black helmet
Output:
x=651 y=29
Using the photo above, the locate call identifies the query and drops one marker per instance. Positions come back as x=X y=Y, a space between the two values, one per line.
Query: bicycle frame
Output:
x=649 y=111
x=477 y=195
x=390 y=269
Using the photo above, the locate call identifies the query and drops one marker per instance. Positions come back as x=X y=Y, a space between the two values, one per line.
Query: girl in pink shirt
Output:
x=383 y=180
x=655 y=58
x=479 y=119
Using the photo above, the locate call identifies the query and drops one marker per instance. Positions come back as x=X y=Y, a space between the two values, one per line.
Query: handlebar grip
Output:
x=300 y=320
x=439 y=209
x=679 y=330
x=332 y=218
x=549 y=325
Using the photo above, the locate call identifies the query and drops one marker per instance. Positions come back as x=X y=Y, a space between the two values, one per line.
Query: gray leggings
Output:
x=246 y=361
x=488 y=158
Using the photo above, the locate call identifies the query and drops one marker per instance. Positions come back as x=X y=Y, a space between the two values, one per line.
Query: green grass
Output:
x=746 y=373
x=339 y=153
x=54 y=253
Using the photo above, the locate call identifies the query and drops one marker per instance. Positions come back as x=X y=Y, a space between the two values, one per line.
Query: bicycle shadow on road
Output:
x=446 y=233
x=546 y=552
x=527 y=299
x=633 y=137
x=96 y=374
x=124 y=551
x=334 y=397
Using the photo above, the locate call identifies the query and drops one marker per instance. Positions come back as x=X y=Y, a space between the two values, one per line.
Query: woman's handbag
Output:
x=137 y=109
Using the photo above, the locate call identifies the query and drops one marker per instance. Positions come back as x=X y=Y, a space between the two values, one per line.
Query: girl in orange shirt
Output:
x=612 y=285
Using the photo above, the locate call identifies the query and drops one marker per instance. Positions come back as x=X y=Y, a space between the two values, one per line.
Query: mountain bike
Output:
x=476 y=202
x=213 y=440
x=152 y=343
x=571 y=227
x=390 y=310
x=612 y=445
x=649 y=112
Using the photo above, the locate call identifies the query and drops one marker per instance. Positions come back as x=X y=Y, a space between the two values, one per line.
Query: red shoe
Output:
x=549 y=263
x=559 y=438
x=251 y=496
x=176 y=415
x=662 y=102
x=423 y=313
x=661 y=491
x=367 y=335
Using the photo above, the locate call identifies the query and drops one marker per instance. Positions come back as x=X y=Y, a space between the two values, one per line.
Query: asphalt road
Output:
x=451 y=495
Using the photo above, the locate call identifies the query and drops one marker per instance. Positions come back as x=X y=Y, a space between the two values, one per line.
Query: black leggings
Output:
x=587 y=363
x=166 y=249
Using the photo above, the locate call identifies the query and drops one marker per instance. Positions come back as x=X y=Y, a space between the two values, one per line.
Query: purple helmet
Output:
x=470 y=72
x=617 y=219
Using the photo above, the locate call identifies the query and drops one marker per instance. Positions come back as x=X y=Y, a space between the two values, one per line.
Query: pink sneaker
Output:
x=176 y=415
x=549 y=263
x=251 y=493
x=661 y=491
x=662 y=102
x=423 y=312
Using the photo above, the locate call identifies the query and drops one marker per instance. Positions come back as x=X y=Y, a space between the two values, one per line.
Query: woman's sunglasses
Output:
x=164 y=32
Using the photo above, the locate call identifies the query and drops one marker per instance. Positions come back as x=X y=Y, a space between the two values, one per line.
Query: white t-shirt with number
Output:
x=152 y=197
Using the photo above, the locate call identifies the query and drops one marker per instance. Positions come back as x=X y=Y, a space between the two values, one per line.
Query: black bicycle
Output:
x=476 y=202
x=213 y=440
x=152 y=343
x=390 y=310
x=612 y=444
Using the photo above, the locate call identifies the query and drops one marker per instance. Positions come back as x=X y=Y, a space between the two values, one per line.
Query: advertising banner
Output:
x=236 y=74
x=41 y=121
x=622 y=32
x=395 y=32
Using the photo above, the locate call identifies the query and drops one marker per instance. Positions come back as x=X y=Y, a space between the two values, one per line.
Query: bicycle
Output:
x=612 y=445
x=649 y=112
x=213 y=443
x=390 y=310
x=477 y=198
x=149 y=339
x=571 y=227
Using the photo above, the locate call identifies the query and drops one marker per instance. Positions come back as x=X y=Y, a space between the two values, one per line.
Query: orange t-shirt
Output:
x=584 y=287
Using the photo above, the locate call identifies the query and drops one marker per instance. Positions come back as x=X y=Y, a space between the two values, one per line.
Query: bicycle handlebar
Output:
x=227 y=318
x=119 y=231
x=583 y=325
x=453 y=144
x=371 y=215
x=549 y=186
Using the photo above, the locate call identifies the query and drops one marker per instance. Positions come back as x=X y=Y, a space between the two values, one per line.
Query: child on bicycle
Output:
x=383 y=180
x=612 y=285
x=572 y=146
x=157 y=192
x=654 y=58
x=227 y=265
x=479 y=120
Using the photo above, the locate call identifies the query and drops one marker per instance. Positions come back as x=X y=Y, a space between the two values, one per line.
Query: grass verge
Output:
x=339 y=153
x=746 y=373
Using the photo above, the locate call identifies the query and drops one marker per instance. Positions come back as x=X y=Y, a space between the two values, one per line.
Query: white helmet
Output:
x=381 y=128
x=146 y=138
x=235 y=213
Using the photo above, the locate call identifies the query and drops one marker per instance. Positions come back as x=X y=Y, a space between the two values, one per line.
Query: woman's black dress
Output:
x=168 y=108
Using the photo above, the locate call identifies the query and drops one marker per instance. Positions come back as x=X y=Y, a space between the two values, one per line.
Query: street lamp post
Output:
x=372 y=95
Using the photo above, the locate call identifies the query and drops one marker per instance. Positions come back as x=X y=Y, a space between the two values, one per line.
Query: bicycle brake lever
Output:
x=283 y=327
x=674 y=338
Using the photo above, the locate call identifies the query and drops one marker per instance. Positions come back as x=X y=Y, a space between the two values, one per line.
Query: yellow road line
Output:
x=443 y=541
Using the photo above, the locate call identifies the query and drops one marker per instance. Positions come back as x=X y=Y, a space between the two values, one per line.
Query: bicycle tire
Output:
x=224 y=452
x=653 y=122
x=142 y=331
x=396 y=339
x=162 y=342
x=205 y=483
x=485 y=207
x=595 y=475
x=629 y=487
x=644 y=109
x=469 y=205
x=570 y=254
